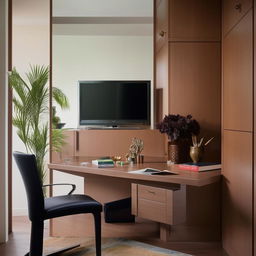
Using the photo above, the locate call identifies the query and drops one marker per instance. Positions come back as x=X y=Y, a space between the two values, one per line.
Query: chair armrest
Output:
x=61 y=184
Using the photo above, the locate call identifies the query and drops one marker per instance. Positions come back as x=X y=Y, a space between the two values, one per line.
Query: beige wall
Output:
x=78 y=58
x=3 y=121
x=31 y=24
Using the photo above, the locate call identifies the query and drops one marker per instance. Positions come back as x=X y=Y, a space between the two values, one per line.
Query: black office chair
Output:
x=41 y=208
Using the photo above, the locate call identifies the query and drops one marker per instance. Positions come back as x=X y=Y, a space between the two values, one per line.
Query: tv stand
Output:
x=103 y=141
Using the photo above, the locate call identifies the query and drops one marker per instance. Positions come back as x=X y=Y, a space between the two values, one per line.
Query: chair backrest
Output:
x=33 y=185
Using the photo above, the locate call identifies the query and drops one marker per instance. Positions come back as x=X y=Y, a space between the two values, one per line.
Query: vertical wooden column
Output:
x=237 y=132
x=10 y=119
x=3 y=120
x=188 y=69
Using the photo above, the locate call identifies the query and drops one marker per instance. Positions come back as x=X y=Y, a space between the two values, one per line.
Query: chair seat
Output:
x=58 y=206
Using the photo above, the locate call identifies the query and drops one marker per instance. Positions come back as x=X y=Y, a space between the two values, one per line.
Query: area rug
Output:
x=110 y=247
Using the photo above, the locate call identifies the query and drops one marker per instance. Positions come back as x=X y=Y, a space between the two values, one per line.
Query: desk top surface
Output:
x=74 y=166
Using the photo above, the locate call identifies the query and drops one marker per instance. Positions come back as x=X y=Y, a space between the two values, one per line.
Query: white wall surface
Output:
x=96 y=58
x=3 y=122
x=30 y=46
x=103 y=8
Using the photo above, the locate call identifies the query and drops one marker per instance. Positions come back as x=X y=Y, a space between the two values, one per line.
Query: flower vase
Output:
x=173 y=152
x=178 y=151
x=196 y=153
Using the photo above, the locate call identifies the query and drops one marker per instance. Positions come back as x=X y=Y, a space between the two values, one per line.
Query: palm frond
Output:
x=58 y=139
x=31 y=102
x=60 y=98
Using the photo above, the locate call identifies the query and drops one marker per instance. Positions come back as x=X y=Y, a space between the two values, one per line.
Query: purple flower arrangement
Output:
x=179 y=127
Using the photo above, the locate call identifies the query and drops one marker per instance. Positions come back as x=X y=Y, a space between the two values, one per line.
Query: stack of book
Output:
x=199 y=167
x=102 y=163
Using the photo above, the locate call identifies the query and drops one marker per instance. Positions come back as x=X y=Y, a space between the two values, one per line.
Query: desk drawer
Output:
x=152 y=210
x=159 y=204
x=152 y=193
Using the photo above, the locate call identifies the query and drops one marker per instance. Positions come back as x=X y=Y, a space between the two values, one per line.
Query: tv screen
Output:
x=114 y=103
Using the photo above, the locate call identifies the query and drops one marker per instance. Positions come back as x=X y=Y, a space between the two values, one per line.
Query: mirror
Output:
x=99 y=40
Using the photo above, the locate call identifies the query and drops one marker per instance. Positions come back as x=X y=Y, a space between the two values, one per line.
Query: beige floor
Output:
x=18 y=243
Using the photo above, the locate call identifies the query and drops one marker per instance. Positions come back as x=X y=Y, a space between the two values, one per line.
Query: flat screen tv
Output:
x=114 y=103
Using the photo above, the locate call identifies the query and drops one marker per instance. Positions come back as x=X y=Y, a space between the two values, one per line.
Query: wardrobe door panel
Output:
x=195 y=88
x=237 y=76
x=233 y=11
x=195 y=20
x=237 y=193
x=161 y=35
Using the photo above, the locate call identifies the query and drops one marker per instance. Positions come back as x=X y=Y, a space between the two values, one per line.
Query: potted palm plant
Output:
x=31 y=109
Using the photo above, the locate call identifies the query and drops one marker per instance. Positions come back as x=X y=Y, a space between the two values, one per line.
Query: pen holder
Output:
x=196 y=153
x=140 y=159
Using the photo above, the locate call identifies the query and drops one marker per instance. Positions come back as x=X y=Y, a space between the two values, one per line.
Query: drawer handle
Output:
x=162 y=33
x=238 y=7
x=151 y=192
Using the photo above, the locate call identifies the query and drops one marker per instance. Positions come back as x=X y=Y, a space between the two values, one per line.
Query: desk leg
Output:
x=165 y=232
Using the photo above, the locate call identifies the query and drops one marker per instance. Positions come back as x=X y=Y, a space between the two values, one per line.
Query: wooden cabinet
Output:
x=188 y=72
x=117 y=142
x=195 y=87
x=162 y=12
x=237 y=193
x=238 y=75
x=98 y=143
x=237 y=144
x=233 y=11
x=188 y=66
x=159 y=204
x=195 y=20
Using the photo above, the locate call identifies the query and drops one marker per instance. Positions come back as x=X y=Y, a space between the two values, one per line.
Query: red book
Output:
x=199 y=167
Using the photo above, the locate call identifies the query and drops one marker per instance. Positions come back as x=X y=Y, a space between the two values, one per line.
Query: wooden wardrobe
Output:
x=237 y=127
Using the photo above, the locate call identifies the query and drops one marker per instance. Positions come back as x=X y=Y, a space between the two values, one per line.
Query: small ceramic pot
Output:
x=196 y=153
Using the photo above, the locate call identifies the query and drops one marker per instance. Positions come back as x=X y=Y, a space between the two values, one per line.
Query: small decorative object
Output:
x=116 y=158
x=178 y=129
x=56 y=124
x=197 y=150
x=135 y=149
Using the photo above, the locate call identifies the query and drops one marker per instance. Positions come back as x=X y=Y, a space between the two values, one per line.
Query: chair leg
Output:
x=36 y=238
x=97 y=223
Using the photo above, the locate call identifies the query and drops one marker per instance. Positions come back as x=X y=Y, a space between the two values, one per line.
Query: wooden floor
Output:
x=18 y=243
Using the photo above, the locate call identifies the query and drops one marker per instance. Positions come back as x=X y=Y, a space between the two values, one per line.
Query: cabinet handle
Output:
x=162 y=33
x=151 y=192
x=238 y=7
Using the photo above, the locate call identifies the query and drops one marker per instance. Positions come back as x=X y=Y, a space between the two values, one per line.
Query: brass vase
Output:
x=196 y=153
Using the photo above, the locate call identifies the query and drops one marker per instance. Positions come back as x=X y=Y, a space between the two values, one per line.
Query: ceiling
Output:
x=89 y=17
x=103 y=17
x=103 y=8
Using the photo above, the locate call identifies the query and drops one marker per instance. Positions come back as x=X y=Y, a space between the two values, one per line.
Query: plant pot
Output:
x=60 y=125
x=178 y=151
x=173 y=152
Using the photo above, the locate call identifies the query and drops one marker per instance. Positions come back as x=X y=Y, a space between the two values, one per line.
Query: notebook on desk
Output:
x=151 y=171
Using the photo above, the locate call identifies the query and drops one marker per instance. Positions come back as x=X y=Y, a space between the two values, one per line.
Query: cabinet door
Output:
x=98 y=143
x=195 y=88
x=237 y=76
x=162 y=78
x=233 y=11
x=161 y=36
x=195 y=20
x=67 y=150
x=237 y=193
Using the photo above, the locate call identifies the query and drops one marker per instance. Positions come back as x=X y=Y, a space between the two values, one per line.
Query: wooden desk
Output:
x=202 y=194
